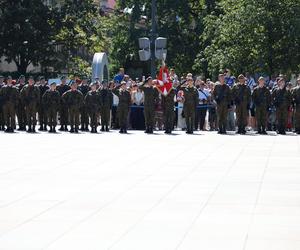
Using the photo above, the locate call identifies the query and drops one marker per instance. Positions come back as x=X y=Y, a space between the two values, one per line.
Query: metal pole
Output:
x=153 y=37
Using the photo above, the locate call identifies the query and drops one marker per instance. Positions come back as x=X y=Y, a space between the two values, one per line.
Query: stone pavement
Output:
x=156 y=192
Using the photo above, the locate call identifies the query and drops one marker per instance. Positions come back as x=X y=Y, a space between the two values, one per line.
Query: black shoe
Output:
x=62 y=128
x=41 y=128
x=76 y=130
x=264 y=132
x=82 y=128
x=45 y=128
x=102 y=128
x=86 y=129
x=106 y=129
x=50 y=131
x=150 y=130
x=72 y=130
x=66 y=128
x=33 y=129
x=121 y=131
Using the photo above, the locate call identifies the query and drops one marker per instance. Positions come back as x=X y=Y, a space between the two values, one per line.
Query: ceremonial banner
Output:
x=164 y=83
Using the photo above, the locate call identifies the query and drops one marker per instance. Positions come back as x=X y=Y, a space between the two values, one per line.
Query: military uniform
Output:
x=296 y=100
x=9 y=97
x=191 y=100
x=51 y=101
x=2 y=121
x=21 y=115
x=150 y=100
x=42 y=108
x=106 y=101
x=241 y=95
x=222 y=96
x=63 y=109
x=282 y=100
x=84 y=114
x=73 y=99
x=30 y=96
x=123 y=107
x=168 y=110
x=92 y=102
x=261 y=98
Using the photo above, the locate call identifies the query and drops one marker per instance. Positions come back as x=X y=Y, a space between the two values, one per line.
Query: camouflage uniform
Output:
x=241 y=95
x=123 y=107
x=191 y=100
x=168 y=105
x=63 y=109
x=106 y=101
x=282 y=100
x=30 y=96
x=261 y=97
x=222 y=96
x=9 y=97
x=51 y=100
x=42 y=108
x=92 y=102
x=73 y=99
x=150 y=99
x=84 y=114
x=296 y=101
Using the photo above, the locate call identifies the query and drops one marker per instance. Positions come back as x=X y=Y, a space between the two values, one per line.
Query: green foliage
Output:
x=253 y=35
x=25 y=29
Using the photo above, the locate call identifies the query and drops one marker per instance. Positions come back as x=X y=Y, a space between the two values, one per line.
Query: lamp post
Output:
x=153 y=36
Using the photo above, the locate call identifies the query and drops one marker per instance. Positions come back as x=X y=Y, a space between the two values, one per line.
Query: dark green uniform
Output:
x=73 y=99
x=261 y=98
x=123 y=107
x=9 y=97
x=191 y=100
x=30 y=96
x=63 y=109
x=150 y=100
x=92 y=102
x=84 y=114
x=2 y=121
x=51 y=101
x=41 y=110
x=21 y=115
x=296 y=101
x=222 y=96
x=241 y=95
x=282 y=100
x=168 y=110
x=106 y=100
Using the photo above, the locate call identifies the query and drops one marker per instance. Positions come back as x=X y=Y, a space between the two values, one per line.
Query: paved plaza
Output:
x=149 y=192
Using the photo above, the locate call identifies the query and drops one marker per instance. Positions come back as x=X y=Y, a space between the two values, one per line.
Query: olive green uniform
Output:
x=150 y=99
x=296 y=100
x=63 y=109
x=84 y=113
x=168 y=110
x=123 y=107
x=222 y=96
x=241 y=95
x=30 y=96
x=92 y=102
x=106 y=100
x=282 y=100
x=51 y=101
x=191 y=100
x=73 y=99
x=9 y=96
x=261 y=98
x=2 y=121
x=42 y=109
x=21 y=115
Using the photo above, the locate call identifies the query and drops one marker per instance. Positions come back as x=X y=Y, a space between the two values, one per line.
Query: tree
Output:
x=179 y=21
x=25 y=32
x=80 y=34
x=253 y=35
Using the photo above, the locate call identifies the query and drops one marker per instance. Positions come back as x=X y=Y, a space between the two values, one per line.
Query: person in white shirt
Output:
x=204 y=99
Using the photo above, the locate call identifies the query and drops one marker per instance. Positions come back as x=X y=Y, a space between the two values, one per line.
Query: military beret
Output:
x=30 y=78
x=21 y=76
x=63 y=77
x=42 y=78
